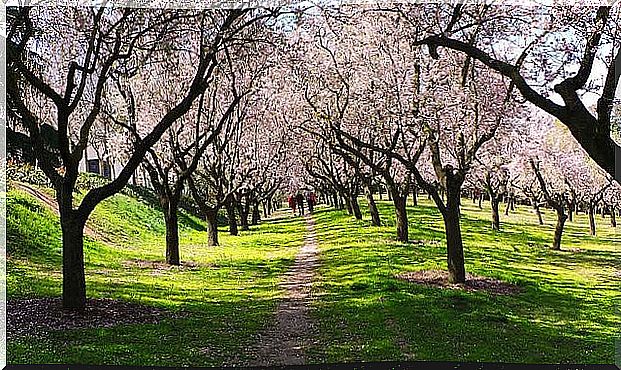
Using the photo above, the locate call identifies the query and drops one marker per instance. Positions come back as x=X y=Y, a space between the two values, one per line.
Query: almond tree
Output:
x=246 y=157
x=612 y=199
x=555 y=196
x=586 y=184
x=559 y=56
x=173 y=160
x=550 y=167
x=219 y=175
x=364 y=94
x=528 y=185
x=457 y=116
x=494 y=169
x=83 y=48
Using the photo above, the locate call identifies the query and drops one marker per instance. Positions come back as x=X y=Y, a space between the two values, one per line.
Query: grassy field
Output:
x=230 y=294
x=566 y=312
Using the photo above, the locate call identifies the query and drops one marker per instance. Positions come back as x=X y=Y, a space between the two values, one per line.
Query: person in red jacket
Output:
x=292 y=203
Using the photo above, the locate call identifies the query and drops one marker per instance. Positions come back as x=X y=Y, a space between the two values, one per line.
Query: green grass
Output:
x=566 y=313
x=230 y=295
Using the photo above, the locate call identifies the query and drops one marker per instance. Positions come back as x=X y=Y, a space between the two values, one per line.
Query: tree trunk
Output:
x=170 y=207
x=561 y=217
x=508 y=207
x=401 y=216
x=613 y=217
x=335 y=200
x=454 y=243
x=74 y=283
x=355 y=207
x=243 y=216
x=350 y=211
x=230 y=213
x=481 y=201
x=571 y=212
x=212 y=227
x=591 y=220
x=256 y=215
x=375 y=218
x=495 y=212
x=415 y=195
x=538 y=212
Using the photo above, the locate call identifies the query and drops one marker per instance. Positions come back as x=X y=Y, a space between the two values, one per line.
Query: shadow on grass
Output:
x=565 y=314
x=215 y=335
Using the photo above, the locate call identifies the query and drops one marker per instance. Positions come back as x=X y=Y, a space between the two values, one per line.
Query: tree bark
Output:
x=375 y=217
x=401 y=216
x=170 y=207
x=355 y=207
x=415 y=194
x=256 y=216
x=348 y=206
x=74 y=283
x=495 y=212
x=211 y=217
x=509 y=206
x=243 y=216
x=230 y=213
x=454 y=242
x=537 y=211
x=613 y=217
x=335 y=200
x=561 y=217
x=591 y=220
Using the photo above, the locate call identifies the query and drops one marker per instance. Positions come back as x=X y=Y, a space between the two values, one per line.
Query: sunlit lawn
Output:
x=565 y=314
x=231 y=293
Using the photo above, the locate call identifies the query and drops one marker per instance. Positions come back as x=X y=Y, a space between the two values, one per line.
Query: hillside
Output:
x=231 y=286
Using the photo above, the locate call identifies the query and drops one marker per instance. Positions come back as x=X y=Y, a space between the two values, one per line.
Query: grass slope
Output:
x=565 y=315
x=231 y=293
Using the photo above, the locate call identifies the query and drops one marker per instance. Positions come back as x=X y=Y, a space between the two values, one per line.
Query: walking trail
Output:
x=284 y=342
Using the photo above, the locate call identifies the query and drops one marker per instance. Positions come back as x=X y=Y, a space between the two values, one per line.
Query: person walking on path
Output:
x=292 y=203
x=311 y=200
x=300 y=200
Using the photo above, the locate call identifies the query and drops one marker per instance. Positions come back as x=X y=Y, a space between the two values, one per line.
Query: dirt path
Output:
x=284 y=342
